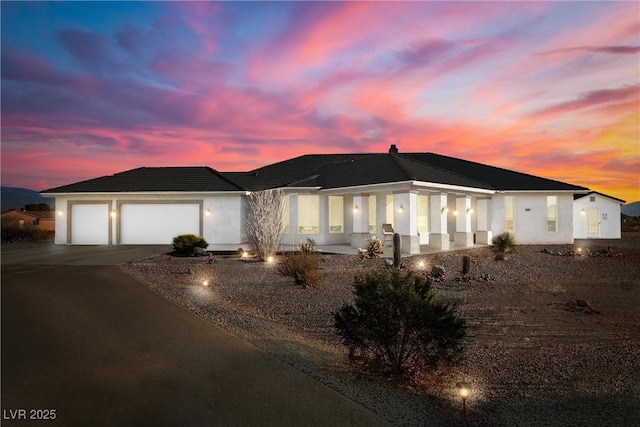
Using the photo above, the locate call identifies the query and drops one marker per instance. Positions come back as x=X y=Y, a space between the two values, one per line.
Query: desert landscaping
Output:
x=553 y=331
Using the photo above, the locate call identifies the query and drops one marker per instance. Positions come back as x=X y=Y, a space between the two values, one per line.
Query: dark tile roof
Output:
x=498 y=178
x=324 y=171
x=154 y=179
x=290 y=171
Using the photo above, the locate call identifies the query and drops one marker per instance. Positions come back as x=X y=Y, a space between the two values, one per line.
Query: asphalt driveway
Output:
x=82 y=338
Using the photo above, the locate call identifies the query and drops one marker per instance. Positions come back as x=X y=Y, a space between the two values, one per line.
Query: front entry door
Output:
x=593 y=222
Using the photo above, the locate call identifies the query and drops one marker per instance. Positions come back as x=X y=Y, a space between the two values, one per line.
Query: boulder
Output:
x=198 y=251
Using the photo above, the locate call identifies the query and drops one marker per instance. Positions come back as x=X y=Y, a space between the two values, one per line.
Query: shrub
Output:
x=398 y=326
x=302 y=267
x=184 y=243
x=13 y=231
x=503 y=244
x=309 y=246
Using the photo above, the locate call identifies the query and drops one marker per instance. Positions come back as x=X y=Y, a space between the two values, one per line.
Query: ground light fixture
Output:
x=205 y=284
x=464 y=390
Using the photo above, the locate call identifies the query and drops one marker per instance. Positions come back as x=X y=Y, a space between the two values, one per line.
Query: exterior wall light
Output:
x=583 y=212
x=60 y=213
x=355 y=209
x=444 y=209
x=208 y=212
x=469 y=210
x=401 y=208
x=113 y=213
x=455 y=213
x=464 y=390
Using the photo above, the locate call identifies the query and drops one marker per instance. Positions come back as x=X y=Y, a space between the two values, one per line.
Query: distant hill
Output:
x=631 y=209
x=16 y=198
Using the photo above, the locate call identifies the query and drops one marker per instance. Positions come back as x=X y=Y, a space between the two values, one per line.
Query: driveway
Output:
x=84 y=339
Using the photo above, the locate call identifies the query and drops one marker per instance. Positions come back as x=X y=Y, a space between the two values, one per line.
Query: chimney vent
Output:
x=393 y=149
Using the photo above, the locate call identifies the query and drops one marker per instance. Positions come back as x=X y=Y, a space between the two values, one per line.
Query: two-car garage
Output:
x=91 y=223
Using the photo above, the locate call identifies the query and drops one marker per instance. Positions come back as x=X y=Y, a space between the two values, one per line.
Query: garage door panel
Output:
x=90 y=224
x=157 y=223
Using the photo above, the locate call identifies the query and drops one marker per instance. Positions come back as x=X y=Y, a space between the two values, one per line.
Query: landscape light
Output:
x=244 y=254
x=269 y=258
x=464 y=390
x=421 y=264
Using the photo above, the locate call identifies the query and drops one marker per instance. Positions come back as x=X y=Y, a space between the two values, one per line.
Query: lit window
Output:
x=372 y=214
x=336 y=214
x=552 y=213
x=509 y=213
x=389 y=209
x=308 y=214
x=423 y=214
x=285 y=215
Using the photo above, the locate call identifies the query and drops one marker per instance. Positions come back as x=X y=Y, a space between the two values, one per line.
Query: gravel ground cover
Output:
x=553 y=335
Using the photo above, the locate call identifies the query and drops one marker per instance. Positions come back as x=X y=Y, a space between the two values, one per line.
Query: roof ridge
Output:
x=503 y=169
x=486 y=184
x=224 y=178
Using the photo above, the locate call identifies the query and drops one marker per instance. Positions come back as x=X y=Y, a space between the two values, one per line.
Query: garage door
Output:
x=154 y=224
x=90 y=224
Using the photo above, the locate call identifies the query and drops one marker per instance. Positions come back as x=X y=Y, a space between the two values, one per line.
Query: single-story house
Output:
x=44 y=220
x=336 y=199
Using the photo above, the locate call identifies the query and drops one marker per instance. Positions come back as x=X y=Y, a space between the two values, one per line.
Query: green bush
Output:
x=302 y=267
x=398 y=326
x=503 y=244
x=184 y=243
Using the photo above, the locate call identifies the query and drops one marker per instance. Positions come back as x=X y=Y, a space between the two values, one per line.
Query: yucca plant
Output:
x=503 y=244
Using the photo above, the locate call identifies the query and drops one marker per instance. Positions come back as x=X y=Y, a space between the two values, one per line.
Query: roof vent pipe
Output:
x=393 y=149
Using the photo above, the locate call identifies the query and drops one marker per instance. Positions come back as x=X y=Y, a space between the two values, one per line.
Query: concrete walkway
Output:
x=101 y=349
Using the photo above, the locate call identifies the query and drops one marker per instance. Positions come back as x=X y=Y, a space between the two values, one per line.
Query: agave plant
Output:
x=502 y=244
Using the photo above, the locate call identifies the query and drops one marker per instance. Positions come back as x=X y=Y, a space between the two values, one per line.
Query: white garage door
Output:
x=90 y=224
x=154 y=224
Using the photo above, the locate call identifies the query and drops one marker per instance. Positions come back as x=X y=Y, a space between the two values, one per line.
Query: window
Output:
x=372 y=214
x=389 y=209
x=423 y=214
x=336 y=214
x=308 y=214
x=285 y=215
x=552 y=213
x=509 y=213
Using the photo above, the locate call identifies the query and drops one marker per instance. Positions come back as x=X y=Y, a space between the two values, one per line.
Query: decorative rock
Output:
x=198 y=251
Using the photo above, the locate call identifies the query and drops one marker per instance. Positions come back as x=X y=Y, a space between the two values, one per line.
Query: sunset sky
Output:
x=547 y=88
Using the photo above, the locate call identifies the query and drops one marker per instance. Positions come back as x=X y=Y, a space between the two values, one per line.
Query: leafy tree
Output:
x=398 y=326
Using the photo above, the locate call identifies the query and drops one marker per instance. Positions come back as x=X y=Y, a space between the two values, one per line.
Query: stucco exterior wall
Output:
x=221 y=217
x=531 y=218
x=608 y=214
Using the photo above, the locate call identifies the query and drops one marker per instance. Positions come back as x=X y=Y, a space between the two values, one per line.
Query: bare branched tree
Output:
x=265 y=221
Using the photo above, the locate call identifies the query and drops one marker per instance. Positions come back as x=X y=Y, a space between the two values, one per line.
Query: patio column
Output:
x=406 y=221
x=438 y=236
x=464 y=236
x=360 y=214
x=483 y=235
